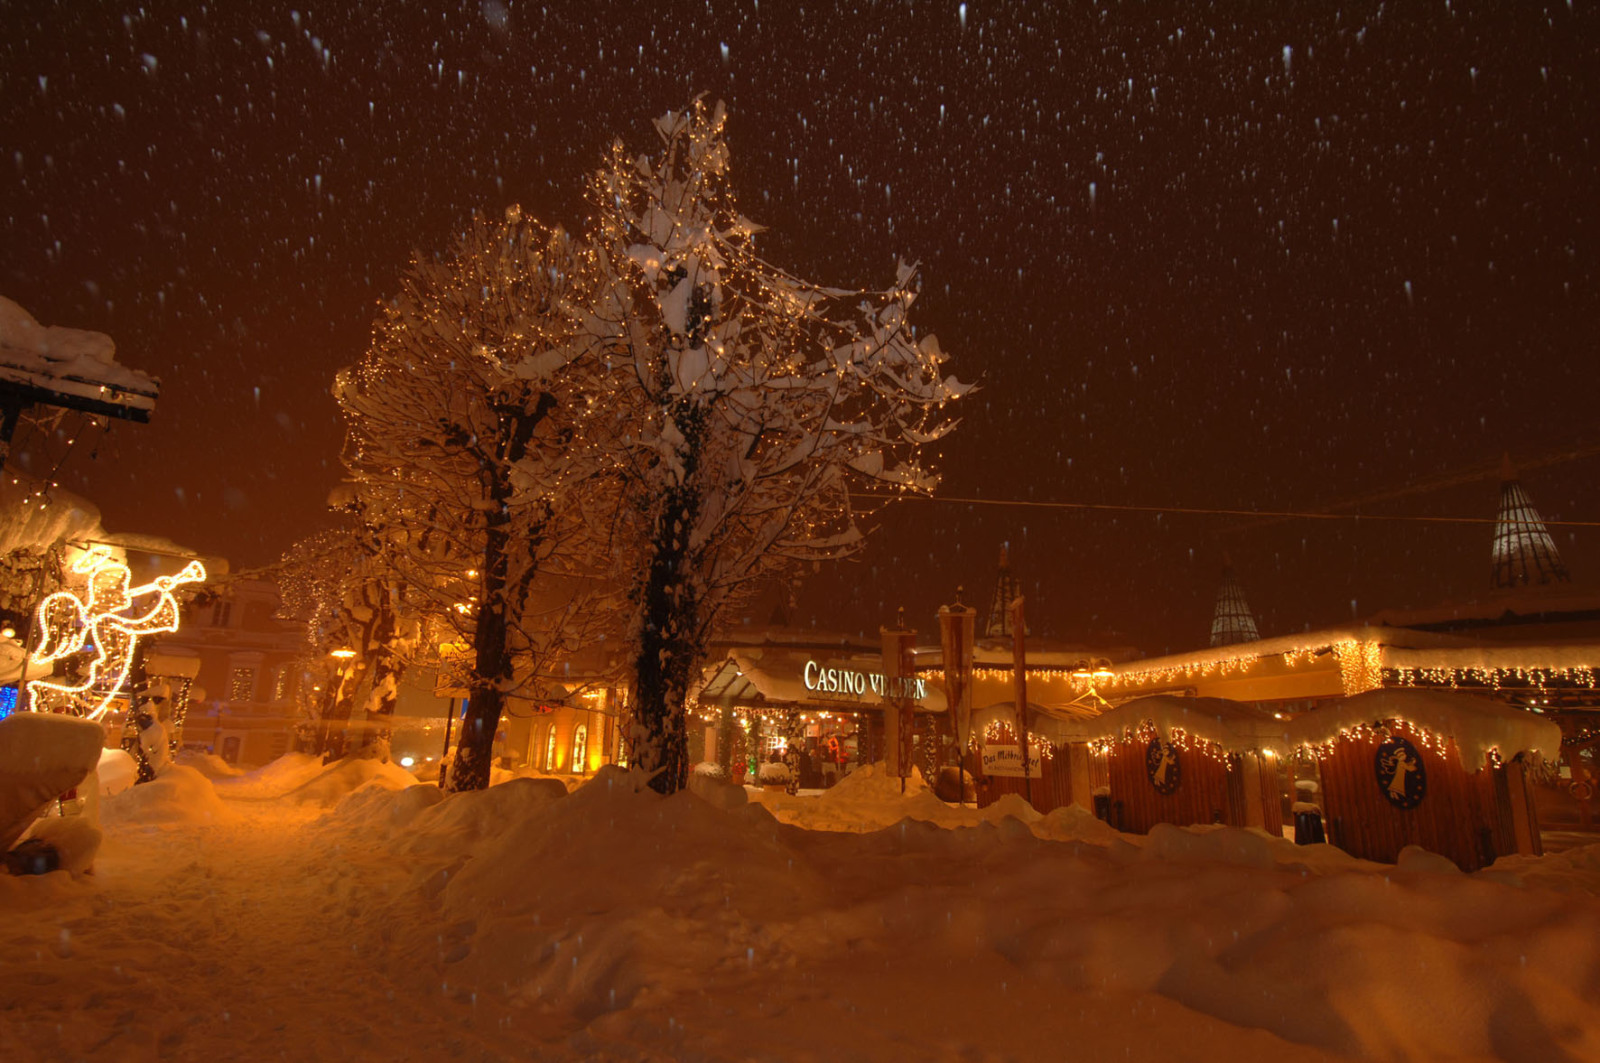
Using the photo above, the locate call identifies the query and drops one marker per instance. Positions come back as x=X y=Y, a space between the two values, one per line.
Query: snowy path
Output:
x=245 y=940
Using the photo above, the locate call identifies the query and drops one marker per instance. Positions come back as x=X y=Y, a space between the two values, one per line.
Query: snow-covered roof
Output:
x=1233 y=725
x=775 y=675
x=73 y=364
x=1057 y=723
x=1477 y=724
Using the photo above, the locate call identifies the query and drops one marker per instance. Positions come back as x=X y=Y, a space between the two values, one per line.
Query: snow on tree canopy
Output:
x=757 y=405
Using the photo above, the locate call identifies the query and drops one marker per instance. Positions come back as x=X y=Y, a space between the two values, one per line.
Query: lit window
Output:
x=242 y=687
x=280 y=683
x=580 y=749
x=550 y=750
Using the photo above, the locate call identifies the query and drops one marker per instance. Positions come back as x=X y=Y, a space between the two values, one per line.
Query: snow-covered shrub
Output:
x=775 y=774
x=710 y=769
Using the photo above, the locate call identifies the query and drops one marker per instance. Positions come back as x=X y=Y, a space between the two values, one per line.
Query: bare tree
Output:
x=752 y=405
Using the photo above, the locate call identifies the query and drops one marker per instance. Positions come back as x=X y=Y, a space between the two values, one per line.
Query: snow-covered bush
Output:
x=775 y=774
x=710 y=769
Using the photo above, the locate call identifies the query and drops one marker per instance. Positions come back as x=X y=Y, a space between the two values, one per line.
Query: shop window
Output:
x=580 y=749
x=550 y=750
x=242 y=686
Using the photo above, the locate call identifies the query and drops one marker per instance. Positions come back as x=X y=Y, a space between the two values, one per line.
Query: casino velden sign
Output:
x=843 y=682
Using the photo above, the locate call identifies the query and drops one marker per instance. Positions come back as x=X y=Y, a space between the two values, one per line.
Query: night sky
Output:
x=1196 y=256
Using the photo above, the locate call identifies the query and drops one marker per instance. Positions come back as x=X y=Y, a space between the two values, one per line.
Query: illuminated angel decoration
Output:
x=104 y=626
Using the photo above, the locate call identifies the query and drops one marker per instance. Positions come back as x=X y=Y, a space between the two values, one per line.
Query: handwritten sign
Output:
x=1007 y=761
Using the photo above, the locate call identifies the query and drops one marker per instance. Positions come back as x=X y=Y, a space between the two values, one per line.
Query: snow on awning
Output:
x=70 y=367
x=1232 y=725
x=1055 y=723
x=1477 y=724
x=776 y=678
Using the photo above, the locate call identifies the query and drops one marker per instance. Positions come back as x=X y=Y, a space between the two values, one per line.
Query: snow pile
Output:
x=41 y=755
x=273 y=779
x=673 y=928
x=1576 y=869
x=869 y=799
x=208 y=764
x=75 y=839
x=615 y=924
x=177 y=797
x=116 y=771
x=304 y=779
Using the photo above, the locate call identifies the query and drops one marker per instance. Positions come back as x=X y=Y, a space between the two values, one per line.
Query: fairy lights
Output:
x=998 y=733
x=1377 y=731
x=96 y=635
x=1494 y=678
x=1360 y=665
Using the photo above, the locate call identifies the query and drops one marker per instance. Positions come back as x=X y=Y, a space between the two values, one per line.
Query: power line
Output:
x=1212 y=512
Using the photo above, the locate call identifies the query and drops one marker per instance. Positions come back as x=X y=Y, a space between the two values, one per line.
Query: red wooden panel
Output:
x=1456 y=810
x=1051 y=788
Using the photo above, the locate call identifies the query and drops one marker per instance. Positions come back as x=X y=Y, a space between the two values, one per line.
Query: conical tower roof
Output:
x=1523 y=553
x=997 y=625
x=1232 y=621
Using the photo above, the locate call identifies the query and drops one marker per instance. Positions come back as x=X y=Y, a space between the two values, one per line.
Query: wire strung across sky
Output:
x=1214 y=512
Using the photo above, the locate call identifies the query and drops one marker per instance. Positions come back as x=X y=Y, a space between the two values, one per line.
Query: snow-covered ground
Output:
x=306 y=913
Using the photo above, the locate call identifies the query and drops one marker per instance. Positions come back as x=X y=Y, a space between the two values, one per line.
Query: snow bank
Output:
x=615 y=924
x=677 y=928
x=116 y=771
x=304 y=779
x=41 y=755
x=208 y=764
x=869 y=799
x=179 y=796
x=75 y=839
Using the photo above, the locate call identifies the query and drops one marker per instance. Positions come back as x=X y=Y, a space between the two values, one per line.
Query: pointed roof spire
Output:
x=1523 y=554
x=998 y=623
x=1232 y=621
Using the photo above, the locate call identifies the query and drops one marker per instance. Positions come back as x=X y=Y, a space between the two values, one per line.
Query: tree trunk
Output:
x=387 y=668
x=492 y=666
x=669 y=645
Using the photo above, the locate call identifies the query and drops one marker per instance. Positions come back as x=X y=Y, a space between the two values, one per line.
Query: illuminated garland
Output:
x=1360 y=665
x=1361 y=668
x=97 y=625
x=1494 y=677
x=1041 y=745
x=1423 y=736
x=1186 y=742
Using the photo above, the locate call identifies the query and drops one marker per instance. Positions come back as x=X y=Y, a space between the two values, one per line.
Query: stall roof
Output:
x=1477 y=724
x=1233 y=725
x=1057 y=723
